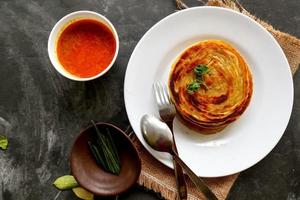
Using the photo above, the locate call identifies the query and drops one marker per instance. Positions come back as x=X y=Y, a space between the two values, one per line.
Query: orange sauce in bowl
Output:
x=86 y=47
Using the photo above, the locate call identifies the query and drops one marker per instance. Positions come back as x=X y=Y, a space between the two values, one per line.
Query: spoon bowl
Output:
x=156 y=133
x=159 y=136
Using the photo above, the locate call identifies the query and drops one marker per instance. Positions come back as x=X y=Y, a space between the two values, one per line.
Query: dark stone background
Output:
x=41 y=112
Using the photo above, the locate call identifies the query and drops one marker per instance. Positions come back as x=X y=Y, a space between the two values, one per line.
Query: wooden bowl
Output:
x=91 y=176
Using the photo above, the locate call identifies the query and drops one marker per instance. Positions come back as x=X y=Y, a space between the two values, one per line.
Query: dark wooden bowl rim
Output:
x=88 y=183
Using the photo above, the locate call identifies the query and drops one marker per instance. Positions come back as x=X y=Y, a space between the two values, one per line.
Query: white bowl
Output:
x=63 y=23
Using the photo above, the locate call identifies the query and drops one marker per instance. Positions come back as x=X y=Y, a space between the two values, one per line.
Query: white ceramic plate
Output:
x=244 y=142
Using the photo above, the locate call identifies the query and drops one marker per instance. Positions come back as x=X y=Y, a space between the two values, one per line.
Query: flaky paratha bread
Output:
x=225 y=90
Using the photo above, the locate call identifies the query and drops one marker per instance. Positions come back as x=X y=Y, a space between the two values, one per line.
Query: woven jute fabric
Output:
x=160 y=178
x=289 y=44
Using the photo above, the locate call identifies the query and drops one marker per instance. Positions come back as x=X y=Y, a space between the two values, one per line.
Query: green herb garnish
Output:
x=193 y=87
x=199 y=71
x=105 y=152
x=3 y=142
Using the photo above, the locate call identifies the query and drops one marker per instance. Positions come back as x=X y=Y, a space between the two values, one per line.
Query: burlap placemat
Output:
x=160 y=178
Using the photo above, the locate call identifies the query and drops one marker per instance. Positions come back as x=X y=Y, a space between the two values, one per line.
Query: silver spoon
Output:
x=158 y=135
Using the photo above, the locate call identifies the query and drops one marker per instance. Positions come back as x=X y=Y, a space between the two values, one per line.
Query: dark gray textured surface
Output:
x=42 y=112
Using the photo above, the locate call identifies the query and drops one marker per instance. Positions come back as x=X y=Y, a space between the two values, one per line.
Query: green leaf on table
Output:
x=3 y=142
x=65 y=182
x=83 y=193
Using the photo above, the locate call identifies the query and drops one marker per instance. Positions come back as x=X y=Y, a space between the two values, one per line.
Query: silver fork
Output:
x=167 y=113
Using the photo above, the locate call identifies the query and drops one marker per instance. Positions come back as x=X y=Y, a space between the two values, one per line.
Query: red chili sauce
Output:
x=86 y=47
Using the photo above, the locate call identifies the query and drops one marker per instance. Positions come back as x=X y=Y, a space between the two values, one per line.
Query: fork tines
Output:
x=161 y=93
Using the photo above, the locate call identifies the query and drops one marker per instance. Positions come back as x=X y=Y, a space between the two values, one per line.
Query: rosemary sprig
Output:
x=113 y=146
x=98 y=156
x=105 y=152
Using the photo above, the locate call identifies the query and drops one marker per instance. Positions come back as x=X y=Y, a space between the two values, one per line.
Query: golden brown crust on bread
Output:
x=228 y=86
